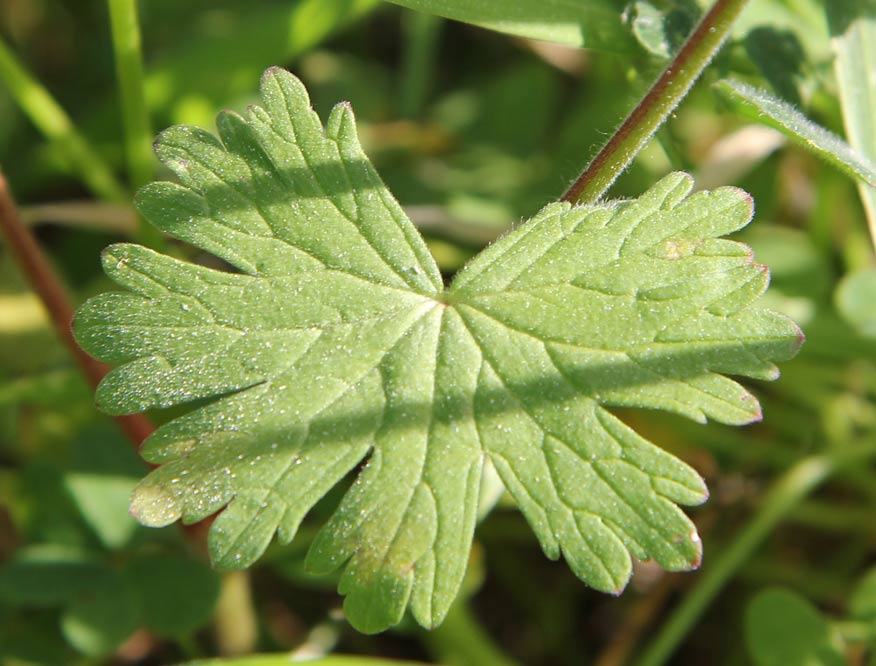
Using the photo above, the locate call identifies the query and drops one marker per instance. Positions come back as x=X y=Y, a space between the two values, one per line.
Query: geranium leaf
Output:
x=335 y=343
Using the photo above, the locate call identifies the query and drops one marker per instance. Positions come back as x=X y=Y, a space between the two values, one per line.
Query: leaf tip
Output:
x=746 y=199
x=112 y=254
x=154 y=506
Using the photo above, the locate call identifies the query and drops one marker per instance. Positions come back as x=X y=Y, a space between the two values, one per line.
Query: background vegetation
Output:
x=473 y=131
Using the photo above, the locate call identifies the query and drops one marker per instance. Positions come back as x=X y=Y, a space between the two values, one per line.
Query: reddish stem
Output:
x=45 y=283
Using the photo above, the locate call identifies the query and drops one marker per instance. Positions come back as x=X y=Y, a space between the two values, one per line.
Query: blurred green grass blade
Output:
x=421 y=35
x=765 y=108
x=48 y=116
x=462 y=640
x=853 y=32
x=596 y=24
x=217 y=67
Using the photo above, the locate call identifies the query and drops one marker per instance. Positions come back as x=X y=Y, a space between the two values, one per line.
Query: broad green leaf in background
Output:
x=800 y=276
x=804 y=19
x=596 y=24
x=103 y=473
x=765 y=108
x=336 y=342
x=856 y=301
x=174 y=595
x=784 y=629
x=662 y=30
x=853 y=32
x=97 y=621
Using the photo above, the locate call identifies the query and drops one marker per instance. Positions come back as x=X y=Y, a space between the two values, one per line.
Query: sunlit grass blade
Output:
x=760 y=105
x=43 y=111
x=593 y=24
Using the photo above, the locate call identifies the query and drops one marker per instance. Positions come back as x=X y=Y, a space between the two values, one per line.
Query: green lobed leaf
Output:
x=336 y=342
x=765 y=108
x=595 y=24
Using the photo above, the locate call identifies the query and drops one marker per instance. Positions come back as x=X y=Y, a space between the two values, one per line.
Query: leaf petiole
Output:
x=660 y=101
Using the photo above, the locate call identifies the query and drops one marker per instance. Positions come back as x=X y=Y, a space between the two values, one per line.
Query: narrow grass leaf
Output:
x=765 y=108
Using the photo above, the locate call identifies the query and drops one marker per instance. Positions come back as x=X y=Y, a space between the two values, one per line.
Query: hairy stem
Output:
x=42 y=278
x=660 y=101
x=50 y=119
x=786 y=494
